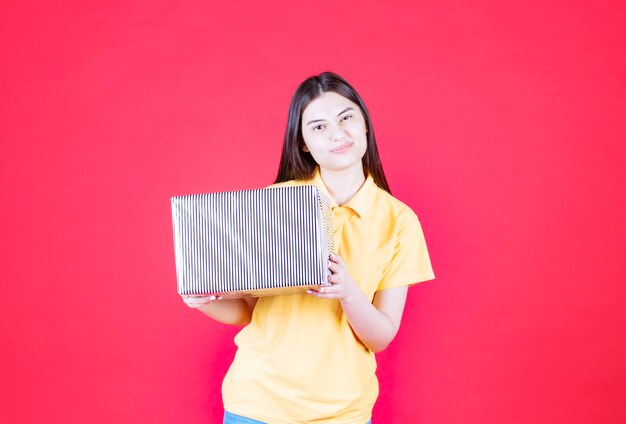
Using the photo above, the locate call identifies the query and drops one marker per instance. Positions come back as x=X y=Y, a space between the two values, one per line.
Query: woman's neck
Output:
x=343 y=184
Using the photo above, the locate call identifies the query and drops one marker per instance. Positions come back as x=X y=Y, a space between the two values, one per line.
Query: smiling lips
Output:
x=342 y=148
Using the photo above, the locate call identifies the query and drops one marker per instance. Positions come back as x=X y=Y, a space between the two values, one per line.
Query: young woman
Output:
x=310 y=358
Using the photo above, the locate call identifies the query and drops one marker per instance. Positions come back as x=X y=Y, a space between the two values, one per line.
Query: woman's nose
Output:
x=337 y=133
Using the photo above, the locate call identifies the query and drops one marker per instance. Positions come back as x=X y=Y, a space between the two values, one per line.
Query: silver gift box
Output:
x=253 y=242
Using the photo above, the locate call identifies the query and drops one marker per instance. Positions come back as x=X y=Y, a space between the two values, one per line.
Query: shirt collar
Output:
x=360 y=203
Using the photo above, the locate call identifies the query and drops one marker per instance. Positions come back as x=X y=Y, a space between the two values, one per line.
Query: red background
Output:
x=501 y=125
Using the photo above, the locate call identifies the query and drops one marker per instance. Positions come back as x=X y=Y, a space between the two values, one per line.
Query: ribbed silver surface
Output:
x=252 y=242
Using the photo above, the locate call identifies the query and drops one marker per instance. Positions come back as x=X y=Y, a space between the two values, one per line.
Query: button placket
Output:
x=339 y=218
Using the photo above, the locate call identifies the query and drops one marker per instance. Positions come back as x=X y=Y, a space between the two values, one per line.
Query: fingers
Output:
x=197 y=301
x=335 y=258
x=336 y=279
x=335 y=264
x=334 y=267
x=325 y=292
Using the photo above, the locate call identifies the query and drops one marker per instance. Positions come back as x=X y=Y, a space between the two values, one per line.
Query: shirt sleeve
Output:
x=410 y=263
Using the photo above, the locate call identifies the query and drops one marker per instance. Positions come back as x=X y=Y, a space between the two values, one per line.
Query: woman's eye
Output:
x=318 y=127
x=346 y=117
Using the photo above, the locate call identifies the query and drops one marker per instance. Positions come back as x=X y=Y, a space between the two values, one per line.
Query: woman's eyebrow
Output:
x=320 y=120
x=345 y=110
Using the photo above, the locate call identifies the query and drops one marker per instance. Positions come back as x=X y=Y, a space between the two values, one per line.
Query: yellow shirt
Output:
x=298 y=361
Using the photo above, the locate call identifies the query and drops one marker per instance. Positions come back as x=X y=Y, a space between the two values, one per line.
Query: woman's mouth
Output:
x=342 y=148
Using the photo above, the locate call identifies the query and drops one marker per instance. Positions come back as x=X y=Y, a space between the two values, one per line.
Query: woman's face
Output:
x=334 y=132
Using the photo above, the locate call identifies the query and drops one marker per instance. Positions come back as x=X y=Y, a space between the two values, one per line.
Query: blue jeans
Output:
x=238 y=419
x=230 y=418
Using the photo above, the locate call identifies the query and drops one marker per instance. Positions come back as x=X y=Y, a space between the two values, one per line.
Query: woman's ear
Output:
x=305 y=149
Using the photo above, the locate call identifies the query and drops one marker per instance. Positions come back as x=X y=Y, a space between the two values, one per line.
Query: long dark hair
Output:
x=296 y=164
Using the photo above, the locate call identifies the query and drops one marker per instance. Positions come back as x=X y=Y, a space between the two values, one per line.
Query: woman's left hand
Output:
x=342 y=285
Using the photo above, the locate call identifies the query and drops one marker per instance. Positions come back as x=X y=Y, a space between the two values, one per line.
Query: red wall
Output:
x=501 y=125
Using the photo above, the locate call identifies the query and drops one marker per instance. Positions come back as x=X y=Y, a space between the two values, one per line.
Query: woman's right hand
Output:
x=197 y=301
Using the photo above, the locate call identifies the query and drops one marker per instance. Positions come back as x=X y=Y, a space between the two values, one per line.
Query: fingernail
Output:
x=321 y=289
x=211 y=297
